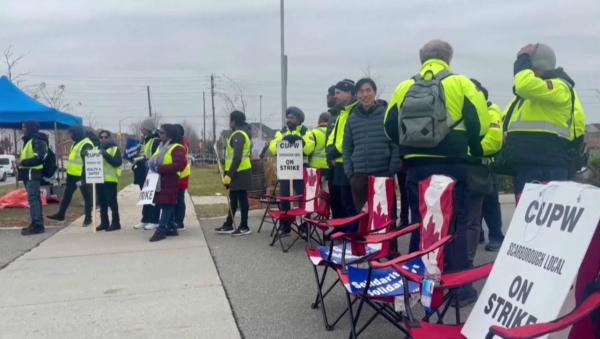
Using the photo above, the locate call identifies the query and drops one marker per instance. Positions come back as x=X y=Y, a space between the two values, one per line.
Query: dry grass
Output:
x=211 y=211
x=19 y=217
x=206 y=181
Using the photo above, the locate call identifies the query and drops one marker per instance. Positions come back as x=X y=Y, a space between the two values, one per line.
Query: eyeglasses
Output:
x=104 y=137
x=161 y=132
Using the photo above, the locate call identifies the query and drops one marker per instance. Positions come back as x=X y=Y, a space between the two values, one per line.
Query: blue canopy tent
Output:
x=16 y=107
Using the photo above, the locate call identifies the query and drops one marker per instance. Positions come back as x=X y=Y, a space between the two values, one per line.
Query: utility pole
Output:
x=204 y=124
x=261 y=135
x=149 y=102
x=212 y=95
x=283 y=66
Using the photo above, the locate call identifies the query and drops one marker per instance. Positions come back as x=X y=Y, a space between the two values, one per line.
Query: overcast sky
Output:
x=106 y=52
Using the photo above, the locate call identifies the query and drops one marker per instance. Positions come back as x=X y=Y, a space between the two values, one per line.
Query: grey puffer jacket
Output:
x=366 y=148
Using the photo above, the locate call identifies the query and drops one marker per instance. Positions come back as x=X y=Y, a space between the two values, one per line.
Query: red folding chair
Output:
x=381 y=193
x=420 y=329
x=271 y=201
x=314 y=202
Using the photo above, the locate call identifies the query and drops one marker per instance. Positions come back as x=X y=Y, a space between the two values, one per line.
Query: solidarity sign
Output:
x=540 y=258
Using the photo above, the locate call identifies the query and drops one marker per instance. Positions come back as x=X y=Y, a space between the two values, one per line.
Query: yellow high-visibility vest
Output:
x=27 y=154
x=245 y=163
x=318 y=158
x=168 y=157
x=111 y=173
x=75 y=165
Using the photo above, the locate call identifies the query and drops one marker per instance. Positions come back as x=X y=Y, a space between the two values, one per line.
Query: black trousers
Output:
x=107 y=197
x=150 y=213
x=404 y=208
x=238 y=198
x=86 y=192
x=335 y=197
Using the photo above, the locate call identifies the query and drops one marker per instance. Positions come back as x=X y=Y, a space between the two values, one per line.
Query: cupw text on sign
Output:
x=539 y=259
x=290 y=160
x=94 y=167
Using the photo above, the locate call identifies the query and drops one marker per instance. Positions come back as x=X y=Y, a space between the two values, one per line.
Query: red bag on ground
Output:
x=18 y=199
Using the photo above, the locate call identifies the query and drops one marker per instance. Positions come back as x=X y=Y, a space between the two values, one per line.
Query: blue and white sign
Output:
x=131 y=149
x=384 y=282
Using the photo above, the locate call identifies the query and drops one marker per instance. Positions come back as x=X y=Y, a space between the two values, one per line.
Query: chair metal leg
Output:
x=351 y=314
x=264 y=216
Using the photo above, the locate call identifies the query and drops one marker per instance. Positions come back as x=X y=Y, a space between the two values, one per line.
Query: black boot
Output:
x=172 y=232
x=115 y=225
x=56 y=217
x=33 y=229
x=87 y=222
x=158 y=235
x=104 y=223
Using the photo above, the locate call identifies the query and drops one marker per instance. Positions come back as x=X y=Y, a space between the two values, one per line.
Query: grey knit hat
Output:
x=544 y=58
x=149 y=125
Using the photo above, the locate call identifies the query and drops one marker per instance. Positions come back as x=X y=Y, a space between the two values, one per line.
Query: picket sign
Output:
x=540 y=258
x=149 y=189
x=94 y=174
x=290 y=164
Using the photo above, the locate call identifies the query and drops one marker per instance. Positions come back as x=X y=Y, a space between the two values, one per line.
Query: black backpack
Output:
x=50 y=166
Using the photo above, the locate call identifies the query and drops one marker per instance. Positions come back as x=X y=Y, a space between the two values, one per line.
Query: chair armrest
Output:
x=294 y=198
x=411 y=256
x=351 y=236
x=537 y=330
x=380 y=238
x=336 y=222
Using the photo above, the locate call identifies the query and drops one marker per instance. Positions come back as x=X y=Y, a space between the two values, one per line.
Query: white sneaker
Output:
x=150 y=227
x=140 y=226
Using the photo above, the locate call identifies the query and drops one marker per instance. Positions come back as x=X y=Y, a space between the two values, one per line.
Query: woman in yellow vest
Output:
x=238 y=173
x=76 y=173
x=167 y=161
x=107 y=192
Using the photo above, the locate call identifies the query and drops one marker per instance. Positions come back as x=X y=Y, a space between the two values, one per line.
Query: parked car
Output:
x=191 y=159
x=3 y=173
x=7 y=161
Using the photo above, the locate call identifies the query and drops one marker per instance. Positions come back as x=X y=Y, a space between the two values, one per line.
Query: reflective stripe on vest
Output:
x=27 y=154
x=111 y=173
x=245 y=163
x=75 y=165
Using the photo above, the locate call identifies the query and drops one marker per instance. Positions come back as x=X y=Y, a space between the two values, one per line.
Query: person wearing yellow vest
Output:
x=318 y=159
x=341 y=192
x=293 y=131
x=545 y=123
x=150 y=214
x=75 y=174
x=184 y=177
x=107 y=192
x=30 y=165
x=167 y=161
x=480 y=176
x=238 y=173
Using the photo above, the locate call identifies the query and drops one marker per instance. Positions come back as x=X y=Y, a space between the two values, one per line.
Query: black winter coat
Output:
x=240 y=181
x=39 y=144
x=366 y=148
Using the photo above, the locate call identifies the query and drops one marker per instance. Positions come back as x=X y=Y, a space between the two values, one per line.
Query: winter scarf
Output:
x=158 y=159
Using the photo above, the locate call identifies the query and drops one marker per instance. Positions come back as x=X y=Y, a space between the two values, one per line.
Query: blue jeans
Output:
x=35 y=202
x=166 y=217
x=180 y=208
x=456 y=252
x=540 y=174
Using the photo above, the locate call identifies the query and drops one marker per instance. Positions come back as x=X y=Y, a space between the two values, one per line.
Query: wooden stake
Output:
x=94 y=207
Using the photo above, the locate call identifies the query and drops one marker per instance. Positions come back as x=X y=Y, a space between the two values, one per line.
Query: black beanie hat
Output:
x=296 y=112
x=32 y=127
x=480 y=88
x=331 y=90
x=346 y=85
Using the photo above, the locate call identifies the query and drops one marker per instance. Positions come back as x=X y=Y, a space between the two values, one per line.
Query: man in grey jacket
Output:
x=367 y=151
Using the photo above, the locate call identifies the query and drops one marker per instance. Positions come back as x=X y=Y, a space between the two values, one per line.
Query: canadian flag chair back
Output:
x=436 y=204
x=379 y=204
x=312 y=178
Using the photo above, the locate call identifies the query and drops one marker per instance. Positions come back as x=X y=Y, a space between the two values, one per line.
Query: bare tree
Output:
x=192 y=135
x=91 y=120
x=367 y=73
x=134 y=127
x=233 y=97
x=11 y=62
x=54 y=98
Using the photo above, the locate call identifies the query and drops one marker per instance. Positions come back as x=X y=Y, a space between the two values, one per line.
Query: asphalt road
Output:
x=13 y=244
x=9 y=181
x=271 y=292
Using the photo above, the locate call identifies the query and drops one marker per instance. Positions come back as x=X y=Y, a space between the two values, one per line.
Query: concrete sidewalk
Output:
x=116 y=285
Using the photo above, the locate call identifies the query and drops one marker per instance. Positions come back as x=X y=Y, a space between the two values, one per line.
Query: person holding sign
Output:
x=167 y=161
x=75 y=170
x=341 y=194
x=294 y=130
x=30 y=166
x=238 y=174
x=150 y=214
x=107 y=192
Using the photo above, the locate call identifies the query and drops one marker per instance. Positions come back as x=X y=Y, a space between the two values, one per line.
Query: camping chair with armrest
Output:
x=381 y=191
x=314 y=202
x=271 y=200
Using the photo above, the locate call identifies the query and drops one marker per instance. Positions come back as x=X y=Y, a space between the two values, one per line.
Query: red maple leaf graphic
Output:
x=312 y=178
x=430 y=236
x=378 y=218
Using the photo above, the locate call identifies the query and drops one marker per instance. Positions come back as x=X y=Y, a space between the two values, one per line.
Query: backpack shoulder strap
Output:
x=442 y=75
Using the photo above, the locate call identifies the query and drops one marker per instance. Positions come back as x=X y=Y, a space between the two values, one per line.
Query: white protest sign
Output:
x=290 y=160
x=94 y=168
x=149 y=188
x=539 y=260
